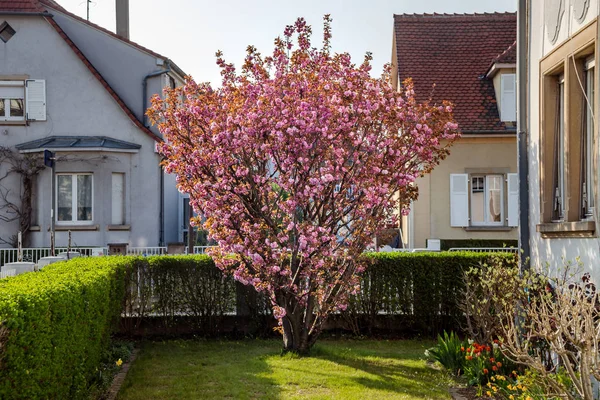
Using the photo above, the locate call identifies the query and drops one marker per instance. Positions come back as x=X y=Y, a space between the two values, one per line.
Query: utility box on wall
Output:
x=117 y=249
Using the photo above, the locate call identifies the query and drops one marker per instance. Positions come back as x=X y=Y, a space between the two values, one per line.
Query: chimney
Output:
x=123 y=18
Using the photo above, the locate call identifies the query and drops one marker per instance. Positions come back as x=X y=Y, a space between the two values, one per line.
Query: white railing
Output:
x=146 y=251
x=487 y=249
x=199 y=249
x=33 y=254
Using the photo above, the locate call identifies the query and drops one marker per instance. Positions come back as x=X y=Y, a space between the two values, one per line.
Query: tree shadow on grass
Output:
x=201 y=370
x=391 y=374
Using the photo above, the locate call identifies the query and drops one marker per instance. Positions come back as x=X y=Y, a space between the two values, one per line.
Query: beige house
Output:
x=471 y=198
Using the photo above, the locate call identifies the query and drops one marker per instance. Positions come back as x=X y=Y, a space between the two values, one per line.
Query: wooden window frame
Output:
x=568 y=59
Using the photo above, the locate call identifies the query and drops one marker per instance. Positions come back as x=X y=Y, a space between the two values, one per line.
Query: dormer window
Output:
x=508 y=101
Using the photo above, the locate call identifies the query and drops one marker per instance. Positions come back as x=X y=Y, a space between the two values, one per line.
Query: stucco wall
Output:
x=432 y=209
x=77 y=104
x=552 y=251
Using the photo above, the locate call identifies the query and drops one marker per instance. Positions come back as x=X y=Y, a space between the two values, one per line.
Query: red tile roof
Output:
x=453 y=52
x=27 y=6
x=509 y=56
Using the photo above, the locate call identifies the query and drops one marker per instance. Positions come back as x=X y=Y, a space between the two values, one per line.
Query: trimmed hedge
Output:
x=55 y=325
x=175 y=294
x=423 y=289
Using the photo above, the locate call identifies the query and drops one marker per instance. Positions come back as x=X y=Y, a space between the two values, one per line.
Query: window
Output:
x=74 y=198
x=568 y=145
x=484 y=200
x=22 y=100
x=587 y=144
x=12 y=104
x=487 y=200
x=118 y=199
x=508 y=100
x=558 y=166
x=6 y=32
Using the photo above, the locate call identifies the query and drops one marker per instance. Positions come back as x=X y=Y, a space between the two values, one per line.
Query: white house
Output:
x=558 y=51
x=79 y=90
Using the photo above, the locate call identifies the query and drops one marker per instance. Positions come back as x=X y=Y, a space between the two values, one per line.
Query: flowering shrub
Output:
x=549 y=321
x=297 y=162
x=484 y=362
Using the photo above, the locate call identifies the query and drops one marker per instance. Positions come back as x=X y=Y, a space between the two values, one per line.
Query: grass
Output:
x=254 y=369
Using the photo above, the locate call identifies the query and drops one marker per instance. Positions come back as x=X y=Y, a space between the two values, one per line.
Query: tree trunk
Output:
x=297 y=337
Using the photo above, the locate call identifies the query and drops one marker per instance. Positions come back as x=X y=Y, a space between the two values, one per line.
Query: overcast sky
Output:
x=190 y=31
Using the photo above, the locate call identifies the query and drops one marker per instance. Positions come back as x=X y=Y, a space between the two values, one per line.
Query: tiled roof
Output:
x=27 y=6
x=509 y=56
x=453 y=52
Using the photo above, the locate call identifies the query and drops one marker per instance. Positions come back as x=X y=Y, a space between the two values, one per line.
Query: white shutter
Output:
x=459 y=200
x=35 y=96
x=512 y=183
x=118 y=199
x=508 y=100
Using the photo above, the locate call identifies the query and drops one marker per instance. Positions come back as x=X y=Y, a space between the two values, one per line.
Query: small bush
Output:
x=450 y=352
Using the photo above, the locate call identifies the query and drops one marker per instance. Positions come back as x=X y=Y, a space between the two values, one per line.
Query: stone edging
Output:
x=120 y=377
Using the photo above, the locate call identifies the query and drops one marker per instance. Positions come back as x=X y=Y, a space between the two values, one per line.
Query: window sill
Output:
x=13 y=122
x=581 y=229
x=35 y=228
x=118 y=227
x=489 y=228
x=62 y=228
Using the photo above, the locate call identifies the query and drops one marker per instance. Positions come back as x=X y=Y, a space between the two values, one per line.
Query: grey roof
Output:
x=77 y=143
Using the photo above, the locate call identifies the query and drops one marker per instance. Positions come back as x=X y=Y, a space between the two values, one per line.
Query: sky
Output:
x=189 y=32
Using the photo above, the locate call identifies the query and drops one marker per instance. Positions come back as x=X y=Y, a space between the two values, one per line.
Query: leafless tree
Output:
x=16 y=205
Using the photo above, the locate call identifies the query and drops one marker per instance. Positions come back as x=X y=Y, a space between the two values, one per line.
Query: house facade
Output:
x=80 y=91
x=471 y=198
x=560 y=48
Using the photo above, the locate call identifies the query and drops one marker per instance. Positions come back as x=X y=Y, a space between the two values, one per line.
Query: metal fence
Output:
x=33 y=254
x=487 y=249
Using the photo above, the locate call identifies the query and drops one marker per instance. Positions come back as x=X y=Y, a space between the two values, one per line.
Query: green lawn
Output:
x=254 y=369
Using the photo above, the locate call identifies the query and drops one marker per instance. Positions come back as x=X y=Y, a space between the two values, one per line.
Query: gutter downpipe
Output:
x=522 y=137
x=161 y=218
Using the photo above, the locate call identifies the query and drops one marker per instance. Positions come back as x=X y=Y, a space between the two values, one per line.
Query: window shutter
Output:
x=118 y=199
x=508 y=101
x=35 y=96
x=459 y=200
x=512 y=183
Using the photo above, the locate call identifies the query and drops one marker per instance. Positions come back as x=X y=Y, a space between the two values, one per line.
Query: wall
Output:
x=77 y=104
x=432 y=210
x=552 y=251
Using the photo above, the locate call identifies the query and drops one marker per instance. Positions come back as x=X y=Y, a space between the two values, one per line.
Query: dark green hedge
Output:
x=422 y=289
x=168 y=292
x=55 y=324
